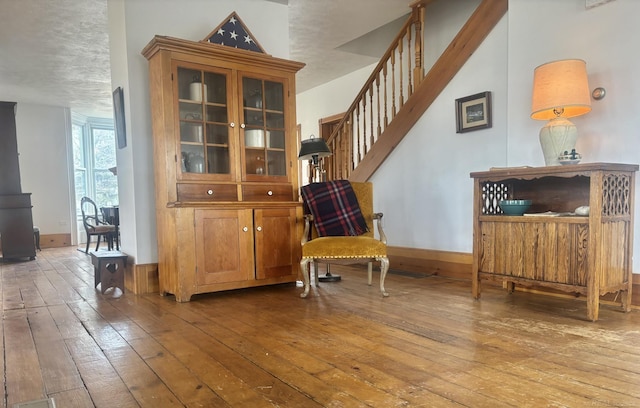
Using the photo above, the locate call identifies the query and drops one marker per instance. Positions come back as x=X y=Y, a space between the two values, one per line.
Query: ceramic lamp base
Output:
x=556 y=137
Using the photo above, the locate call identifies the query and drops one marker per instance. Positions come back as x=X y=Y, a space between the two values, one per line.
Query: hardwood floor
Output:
x=429 y=344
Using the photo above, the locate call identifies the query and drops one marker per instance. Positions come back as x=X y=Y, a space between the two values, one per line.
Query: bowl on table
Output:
x=514 y=207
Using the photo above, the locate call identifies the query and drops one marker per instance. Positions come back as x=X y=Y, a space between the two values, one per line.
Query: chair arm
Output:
x=308 y=219
x=378 y=218
x=97 y=222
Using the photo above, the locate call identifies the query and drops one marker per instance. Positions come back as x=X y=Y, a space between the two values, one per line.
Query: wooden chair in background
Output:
x=94 y=225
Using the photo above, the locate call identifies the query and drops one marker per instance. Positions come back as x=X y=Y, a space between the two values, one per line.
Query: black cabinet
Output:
x=16 y=226
x=16 y=222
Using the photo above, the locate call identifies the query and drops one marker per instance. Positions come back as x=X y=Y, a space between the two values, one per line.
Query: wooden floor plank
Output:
x=327 y=356
x=73 y=398
x=46 y=290
x=232 y=376
x=23 y=372
x=101 y=380
x=182 y=380
x=322 y=344
x=429 y=344
x=597 y=389
x=58 y=369
x=146 y=386
x=12 y=296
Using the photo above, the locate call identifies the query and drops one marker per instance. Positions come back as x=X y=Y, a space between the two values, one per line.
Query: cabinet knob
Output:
x=242 y=125
x=245 y=229
x=259 y=229
x=210 y=192
x=270 y=193
x=232 y=124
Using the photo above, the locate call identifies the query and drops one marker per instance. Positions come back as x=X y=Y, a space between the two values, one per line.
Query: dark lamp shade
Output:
x=560 y=88
x=313 y=147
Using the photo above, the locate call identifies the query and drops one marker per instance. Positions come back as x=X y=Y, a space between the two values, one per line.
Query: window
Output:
x=94 y=152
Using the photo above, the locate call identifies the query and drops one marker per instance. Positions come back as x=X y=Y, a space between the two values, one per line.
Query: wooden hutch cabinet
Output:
x=226 y=178
x=590 y=255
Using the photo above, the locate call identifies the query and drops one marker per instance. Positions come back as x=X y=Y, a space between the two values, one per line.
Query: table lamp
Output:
x=560 y=91
x=314 y=149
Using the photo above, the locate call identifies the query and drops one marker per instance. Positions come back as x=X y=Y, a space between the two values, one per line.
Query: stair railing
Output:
x=398 y=91
x=391 y=83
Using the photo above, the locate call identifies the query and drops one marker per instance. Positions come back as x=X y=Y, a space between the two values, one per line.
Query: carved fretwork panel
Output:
x=616 y=190
x=492 y=193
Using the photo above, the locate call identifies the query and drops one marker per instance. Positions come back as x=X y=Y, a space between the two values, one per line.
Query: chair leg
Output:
x=384 y=268
x=304 y=269
x=36 y=237
x=369 y=272
x=86 y=251
x=98 y=242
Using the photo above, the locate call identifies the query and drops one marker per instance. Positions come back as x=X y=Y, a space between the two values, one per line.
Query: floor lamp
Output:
x=313 y=150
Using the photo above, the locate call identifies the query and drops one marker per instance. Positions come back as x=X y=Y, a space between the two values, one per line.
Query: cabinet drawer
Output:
x=267 y=193
x=207 y=192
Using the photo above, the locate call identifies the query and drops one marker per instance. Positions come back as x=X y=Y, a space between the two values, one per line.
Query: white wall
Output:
x=424 y=188
x=140 y=20
x=609 y=133
x=430 y=168
x=606 y=37
x=124 y=156
x=45 y=156
x=329 y=99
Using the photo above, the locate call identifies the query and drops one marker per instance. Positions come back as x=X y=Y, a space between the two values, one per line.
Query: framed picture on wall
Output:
x=473 y=112
x=118 y=115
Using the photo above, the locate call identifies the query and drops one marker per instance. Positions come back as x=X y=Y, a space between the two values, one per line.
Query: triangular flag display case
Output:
x=225 y=164
x=232 y=32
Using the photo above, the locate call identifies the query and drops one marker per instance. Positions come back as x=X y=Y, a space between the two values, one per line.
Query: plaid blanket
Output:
x=335 y=208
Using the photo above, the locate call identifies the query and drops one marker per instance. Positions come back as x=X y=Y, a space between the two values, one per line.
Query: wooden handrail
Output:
x=394 y=98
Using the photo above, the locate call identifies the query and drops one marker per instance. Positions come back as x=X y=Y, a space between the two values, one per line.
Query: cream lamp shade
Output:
x=560 y=91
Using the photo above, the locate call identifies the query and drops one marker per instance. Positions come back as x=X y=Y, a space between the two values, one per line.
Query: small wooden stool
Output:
x=109 y=267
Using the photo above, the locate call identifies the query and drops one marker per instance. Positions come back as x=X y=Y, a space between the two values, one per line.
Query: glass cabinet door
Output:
x=263 y=124
x=203 y=110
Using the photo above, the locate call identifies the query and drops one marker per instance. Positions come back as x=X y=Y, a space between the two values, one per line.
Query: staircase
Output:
x=398 y=92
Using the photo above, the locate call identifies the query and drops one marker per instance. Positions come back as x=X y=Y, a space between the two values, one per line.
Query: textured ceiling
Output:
x=317 y=29
x=55 y=52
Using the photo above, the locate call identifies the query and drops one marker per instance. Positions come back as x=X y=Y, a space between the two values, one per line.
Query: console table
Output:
x=549 y=246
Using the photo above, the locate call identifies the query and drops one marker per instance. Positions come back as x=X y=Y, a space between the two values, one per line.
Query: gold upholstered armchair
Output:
x=339 y=226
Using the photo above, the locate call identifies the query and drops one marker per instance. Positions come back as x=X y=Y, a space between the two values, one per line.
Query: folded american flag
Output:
x=233 y=33
x=335 y=208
